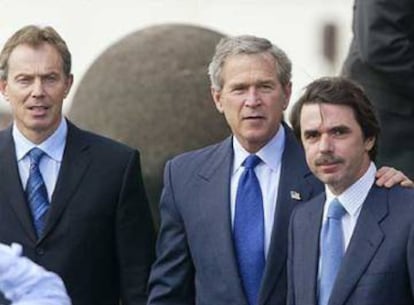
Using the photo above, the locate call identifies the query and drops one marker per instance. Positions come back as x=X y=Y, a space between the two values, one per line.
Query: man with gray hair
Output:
x=225 y=208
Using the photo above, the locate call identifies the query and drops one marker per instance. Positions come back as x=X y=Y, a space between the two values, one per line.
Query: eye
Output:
x=51 y=78
x=266 y=86
x=340 y=131
x=310 y=135
x=238 y=89
x=24 y=80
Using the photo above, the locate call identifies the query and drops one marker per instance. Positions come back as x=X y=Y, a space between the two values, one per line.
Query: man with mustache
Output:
x=214 y=246
x=353 y=243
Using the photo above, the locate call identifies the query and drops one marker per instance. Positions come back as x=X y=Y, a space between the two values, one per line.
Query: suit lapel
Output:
x=291 y=191
x=76 y=159
x=365 y=241
x=11 y=190
x=214 y=191
x=307 y=253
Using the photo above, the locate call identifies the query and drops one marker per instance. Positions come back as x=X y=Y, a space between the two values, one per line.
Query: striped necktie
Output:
x=36 y=192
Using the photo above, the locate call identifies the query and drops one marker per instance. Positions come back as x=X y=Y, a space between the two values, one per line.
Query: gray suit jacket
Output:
x=196 y=261
x=99 y=233
x=378 y=266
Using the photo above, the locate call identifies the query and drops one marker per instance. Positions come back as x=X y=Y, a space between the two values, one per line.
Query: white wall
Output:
x=90 y=26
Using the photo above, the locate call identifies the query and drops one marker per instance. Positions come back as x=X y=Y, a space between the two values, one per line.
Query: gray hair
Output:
x=247 y=44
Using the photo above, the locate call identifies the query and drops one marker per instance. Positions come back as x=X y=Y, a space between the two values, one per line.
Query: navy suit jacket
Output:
x=196 y=261
x=99 y=235
x=378 y=266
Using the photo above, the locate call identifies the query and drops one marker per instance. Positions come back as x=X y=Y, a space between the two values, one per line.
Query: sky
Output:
x=91 y=26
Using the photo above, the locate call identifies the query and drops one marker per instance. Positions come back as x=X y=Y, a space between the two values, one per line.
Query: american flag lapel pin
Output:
x=295 y=195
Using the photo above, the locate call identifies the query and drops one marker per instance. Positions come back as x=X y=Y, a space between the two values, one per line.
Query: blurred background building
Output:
x=305 y=29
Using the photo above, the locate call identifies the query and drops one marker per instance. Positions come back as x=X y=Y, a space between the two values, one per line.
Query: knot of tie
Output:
x=251 y=161
x=336 y=210
x=35 y=155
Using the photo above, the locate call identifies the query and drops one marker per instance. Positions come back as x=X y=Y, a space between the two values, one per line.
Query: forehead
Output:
x=243 y=67
x=314 y=116
x=25 y=57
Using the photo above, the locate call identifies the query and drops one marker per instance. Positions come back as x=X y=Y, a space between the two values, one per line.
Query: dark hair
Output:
x=35 y=36
x=339 y=91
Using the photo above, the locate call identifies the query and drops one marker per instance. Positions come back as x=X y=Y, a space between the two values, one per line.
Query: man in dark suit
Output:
x=81 y=211
x=354 y=243
x=381 y=59
x=198 y=259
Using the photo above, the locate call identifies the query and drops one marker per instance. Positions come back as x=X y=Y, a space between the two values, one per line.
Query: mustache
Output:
x=328 y=159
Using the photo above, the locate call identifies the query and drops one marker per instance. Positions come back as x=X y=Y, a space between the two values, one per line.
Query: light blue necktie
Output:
x=36 y=192
x=249 y=230
x=332 y=250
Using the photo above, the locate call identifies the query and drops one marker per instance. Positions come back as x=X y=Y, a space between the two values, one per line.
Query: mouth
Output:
x=328 y=167
x=328 y=164
x=253 y=118
x=38 y=107
x=38 y=110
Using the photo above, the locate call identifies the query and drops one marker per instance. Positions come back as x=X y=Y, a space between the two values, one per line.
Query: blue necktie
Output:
x=249 y=230
x=36 y=192
x=332 y=250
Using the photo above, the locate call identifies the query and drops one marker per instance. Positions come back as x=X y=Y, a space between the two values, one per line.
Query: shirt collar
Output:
x=354 y=196
x=271 y=153
x=53 y=146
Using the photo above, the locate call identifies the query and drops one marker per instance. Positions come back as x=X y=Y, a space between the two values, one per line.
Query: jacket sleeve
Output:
x=172 y=275
x=135 y=235
x=384 y=31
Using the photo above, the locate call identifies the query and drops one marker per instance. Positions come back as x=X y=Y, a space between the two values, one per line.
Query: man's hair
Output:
x=339 y=91
x=35 y=36
x=246 y=44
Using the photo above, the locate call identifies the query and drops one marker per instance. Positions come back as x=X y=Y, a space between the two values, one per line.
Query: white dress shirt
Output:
x=268 y=174
x=49 y=166
x=25 y=283
x=352 y=200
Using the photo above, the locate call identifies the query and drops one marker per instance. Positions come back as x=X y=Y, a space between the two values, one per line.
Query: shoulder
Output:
x=310 y=206
x=98 y=143
x=198 y=157
x=401 y=194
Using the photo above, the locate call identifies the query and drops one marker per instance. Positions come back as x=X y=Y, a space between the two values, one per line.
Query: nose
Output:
x=252 y=97
x=325 y=144
x=37 y=89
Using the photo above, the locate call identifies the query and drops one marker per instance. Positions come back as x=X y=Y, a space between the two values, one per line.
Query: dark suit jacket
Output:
x=99 y=234
x=381 y=56
x=378 y=266
x=196 y=261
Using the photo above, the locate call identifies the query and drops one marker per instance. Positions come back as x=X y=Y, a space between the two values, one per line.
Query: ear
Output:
x=287 y=91
x=369 y=143
x=3 y=88
x=216 y=94
x=69 y=83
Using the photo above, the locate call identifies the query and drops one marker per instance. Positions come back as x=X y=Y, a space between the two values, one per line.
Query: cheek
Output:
x=309 y=153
